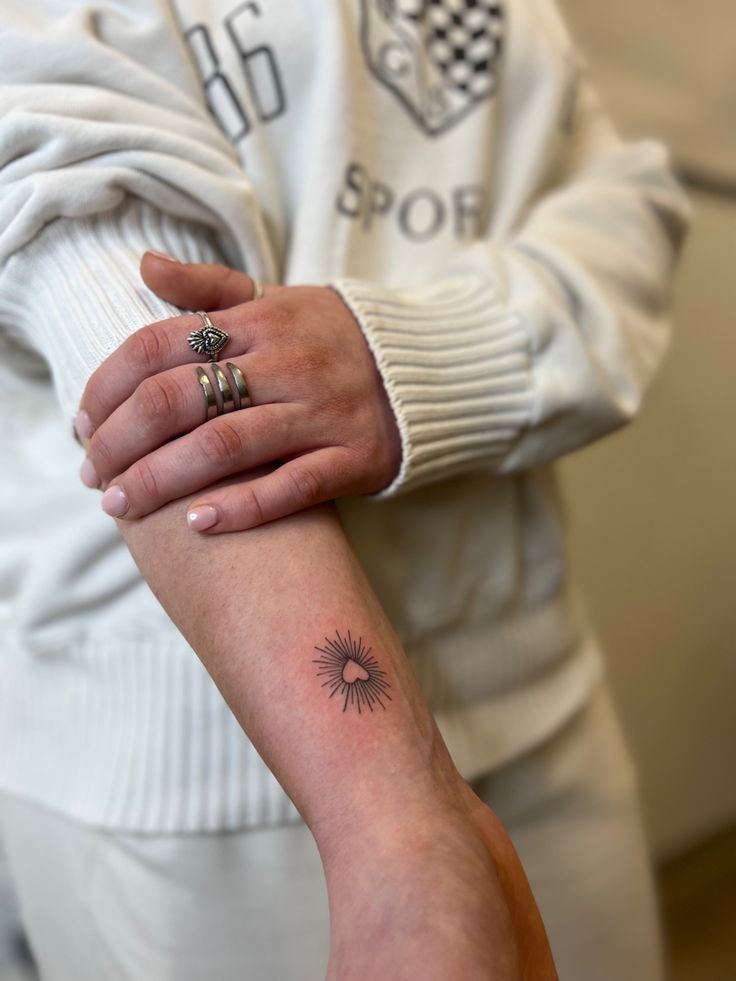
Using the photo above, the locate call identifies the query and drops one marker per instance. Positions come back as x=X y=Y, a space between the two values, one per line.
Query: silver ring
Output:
x=209 y=340
x=257 y=288
x=228 y=402
x=209 y=393
x=244 y=399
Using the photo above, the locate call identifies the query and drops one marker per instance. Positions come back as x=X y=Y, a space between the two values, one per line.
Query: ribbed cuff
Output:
x=456 y=367
x=74 y=292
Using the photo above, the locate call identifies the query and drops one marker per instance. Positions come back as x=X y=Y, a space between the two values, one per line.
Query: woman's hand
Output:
x=319 y=405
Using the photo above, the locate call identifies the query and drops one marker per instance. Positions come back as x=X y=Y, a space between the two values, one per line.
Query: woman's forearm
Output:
x=286 y=623
x=422 y=879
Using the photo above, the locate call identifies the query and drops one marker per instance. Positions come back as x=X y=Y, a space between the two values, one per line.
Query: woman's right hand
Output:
x=319 y=415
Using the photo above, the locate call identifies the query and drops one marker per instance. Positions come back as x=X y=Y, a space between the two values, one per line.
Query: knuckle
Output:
x=158 y=397
x=252 y=506
x=101 y=454
x=306 y=485
x=145 y=348
x=92 y=399
x=143 y=476
x=222 y=445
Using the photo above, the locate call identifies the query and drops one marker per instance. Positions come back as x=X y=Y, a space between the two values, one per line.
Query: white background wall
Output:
x=653 y=508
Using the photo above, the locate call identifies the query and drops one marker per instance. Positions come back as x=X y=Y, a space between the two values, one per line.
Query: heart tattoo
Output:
x=350 y=670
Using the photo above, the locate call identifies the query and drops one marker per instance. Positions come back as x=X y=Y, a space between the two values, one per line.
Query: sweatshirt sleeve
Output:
x=107 y=149
x=544 y=337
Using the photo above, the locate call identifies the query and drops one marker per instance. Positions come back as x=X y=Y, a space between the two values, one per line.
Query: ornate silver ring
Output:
x=209 y=340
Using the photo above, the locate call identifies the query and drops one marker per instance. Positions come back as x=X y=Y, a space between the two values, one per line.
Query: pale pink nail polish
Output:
x=162 y=255
x=114 y=501
x=201 y=518
x=88 y=473
x=83 y=425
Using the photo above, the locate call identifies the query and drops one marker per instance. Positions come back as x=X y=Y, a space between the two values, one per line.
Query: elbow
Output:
x=667 y=209
x=625 y=383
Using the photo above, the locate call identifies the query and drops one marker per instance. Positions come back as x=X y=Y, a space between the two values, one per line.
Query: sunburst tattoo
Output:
x=351 y=671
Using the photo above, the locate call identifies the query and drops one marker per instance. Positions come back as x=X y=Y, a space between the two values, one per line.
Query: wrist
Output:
x=398 y=813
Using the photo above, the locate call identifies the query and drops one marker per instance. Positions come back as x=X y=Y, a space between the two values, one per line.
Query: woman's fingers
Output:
x=224 y=446
x=159 y=347
x=309 y=479
x=162 y=407
x=196 y=285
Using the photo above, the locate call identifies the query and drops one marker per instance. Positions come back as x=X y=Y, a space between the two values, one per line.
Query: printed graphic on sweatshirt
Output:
x=439 y=57
x=260 y=69
x=420 y=213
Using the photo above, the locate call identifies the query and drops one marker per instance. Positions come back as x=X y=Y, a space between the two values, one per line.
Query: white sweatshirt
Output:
x=446 y=166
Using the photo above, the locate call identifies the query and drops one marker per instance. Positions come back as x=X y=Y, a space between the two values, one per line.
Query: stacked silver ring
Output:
x=210 y=340
x=232 y=396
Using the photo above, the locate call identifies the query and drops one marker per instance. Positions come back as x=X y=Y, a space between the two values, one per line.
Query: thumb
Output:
x=195 y=285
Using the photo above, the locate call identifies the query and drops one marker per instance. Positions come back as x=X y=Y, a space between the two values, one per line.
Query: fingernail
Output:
x=201 y=518
x=83 y=425
x=162 y=255
x=88 y=473
x=114 y=501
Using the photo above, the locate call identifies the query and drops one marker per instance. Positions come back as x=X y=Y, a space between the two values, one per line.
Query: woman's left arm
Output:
x=422 y=880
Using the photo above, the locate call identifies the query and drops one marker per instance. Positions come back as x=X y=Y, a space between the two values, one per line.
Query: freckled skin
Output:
x=428 y=850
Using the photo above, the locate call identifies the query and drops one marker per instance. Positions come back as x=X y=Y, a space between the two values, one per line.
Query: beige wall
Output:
x=653 y=508
x=666 y=68
x=653 y=514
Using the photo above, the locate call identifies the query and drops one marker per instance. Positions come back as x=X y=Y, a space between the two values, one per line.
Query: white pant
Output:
x=252 y=906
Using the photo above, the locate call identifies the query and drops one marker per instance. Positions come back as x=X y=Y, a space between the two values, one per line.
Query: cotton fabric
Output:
x=507 y=256
x=103 y=906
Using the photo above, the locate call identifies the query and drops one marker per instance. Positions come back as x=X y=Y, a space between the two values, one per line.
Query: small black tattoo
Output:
x=350 y=669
